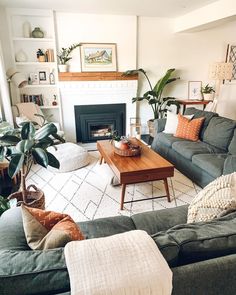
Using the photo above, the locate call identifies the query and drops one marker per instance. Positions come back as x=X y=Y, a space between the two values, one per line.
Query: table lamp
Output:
x=17 y=78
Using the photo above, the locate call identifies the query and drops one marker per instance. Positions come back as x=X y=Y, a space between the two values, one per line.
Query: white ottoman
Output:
x=70 y=155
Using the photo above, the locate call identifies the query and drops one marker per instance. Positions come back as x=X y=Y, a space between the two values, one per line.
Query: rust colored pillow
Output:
x=48 y=229
x=189 y=128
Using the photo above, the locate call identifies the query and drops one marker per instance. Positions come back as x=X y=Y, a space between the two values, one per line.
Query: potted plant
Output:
x=154 y=96
x=208 y=92
x=64 y=57
x=24 y=147
x=4 y=205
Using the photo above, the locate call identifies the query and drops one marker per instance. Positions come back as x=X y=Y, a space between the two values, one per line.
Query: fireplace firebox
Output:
x=96 y=122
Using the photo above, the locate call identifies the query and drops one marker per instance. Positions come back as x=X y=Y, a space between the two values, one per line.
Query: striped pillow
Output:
x=189 y=129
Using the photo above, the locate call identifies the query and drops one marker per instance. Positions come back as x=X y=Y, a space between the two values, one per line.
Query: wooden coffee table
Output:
x=149 y=166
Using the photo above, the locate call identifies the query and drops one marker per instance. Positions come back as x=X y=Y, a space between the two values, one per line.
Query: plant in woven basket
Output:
x=23 y=148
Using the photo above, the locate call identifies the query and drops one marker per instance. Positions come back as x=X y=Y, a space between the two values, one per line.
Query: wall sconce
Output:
x=17 y=78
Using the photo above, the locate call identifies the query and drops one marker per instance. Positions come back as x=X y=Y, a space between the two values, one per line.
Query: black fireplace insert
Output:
x=96 y=122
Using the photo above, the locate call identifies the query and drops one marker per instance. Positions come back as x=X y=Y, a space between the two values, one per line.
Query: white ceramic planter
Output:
x=208 y=96
x=63 y=68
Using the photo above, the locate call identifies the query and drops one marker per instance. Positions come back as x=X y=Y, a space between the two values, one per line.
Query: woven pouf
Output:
x=70 y=155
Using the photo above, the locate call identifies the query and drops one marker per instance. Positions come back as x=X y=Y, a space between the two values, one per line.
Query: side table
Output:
x=186 y=102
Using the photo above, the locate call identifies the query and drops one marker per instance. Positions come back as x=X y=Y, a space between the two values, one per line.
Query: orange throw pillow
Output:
x=189 y=128
x=48 y=229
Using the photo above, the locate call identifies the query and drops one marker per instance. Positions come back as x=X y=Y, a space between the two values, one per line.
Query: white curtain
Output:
x=5 y=105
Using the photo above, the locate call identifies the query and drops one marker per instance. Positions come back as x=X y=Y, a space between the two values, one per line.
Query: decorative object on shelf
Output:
x=17 y=78
x=97 y=57
x=194 y=90
x=231 y=58
x=54 y=103
x=29 y=146
x=21 y=56
x=52 y=77
x=26 y=29
x=40 y=55
x=43 y=76
x=37 y=33
x=154 y=96
x=208 y=92
x=64 y=57
x=34 y=78
x=135 y=127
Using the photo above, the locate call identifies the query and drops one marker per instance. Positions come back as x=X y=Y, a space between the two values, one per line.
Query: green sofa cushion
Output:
x=33 y=272
x=219 y=132
x=213 y=163
x=230 y=164
x=198 y=114
x=198 y=241
x=168 y=139
x=161 y=220
x=232 y=146
x=190 y=148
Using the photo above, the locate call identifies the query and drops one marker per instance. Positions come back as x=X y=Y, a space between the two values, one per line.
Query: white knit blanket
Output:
x=124 y=264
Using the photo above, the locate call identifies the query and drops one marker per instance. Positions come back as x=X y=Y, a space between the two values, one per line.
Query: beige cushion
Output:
x=70 y=155
x=215 y=200
x=124 y=264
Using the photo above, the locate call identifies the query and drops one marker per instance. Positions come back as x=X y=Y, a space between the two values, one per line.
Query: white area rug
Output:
x=86 y=193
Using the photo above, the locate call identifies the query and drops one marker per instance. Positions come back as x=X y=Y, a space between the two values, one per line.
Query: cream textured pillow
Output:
x=172 y=122
x=217 y=199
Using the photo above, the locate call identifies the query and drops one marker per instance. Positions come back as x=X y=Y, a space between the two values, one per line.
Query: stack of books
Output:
x=49 y=55
x=38 y=99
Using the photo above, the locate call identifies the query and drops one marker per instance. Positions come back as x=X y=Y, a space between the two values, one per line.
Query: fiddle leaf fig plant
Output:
x=154 y=96
x=24 y=147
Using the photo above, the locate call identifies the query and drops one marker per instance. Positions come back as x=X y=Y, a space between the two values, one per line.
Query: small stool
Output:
x=70 y=156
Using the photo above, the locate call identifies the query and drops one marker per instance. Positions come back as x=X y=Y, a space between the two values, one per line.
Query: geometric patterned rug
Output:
x=86 y=193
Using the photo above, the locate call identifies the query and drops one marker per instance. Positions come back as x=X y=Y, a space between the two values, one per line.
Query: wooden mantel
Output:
x=95 y=76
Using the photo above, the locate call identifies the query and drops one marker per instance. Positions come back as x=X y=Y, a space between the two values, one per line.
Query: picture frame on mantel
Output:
x=98 y=57
x=194 y=90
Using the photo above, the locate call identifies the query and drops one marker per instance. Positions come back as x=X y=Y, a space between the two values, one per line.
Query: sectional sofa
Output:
x=202 y=161
x=202 y=256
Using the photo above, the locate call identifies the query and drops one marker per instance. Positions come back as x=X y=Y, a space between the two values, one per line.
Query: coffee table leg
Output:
x=122 y=196
x=167 y=189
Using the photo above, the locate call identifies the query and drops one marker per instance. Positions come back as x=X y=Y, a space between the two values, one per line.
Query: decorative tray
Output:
x=132 y=151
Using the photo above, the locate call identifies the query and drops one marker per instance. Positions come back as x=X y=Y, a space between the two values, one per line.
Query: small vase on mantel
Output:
x=26 y=29
x=37 y=33
x=63 y=68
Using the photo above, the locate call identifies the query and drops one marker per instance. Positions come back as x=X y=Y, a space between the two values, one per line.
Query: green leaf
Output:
x=134 y=99
x=44 y=143
x=52 y=161
x=153 y=101
x=15 y=164
x=9 y=139
x=27 y=131
x=24 y=145
x=158 y=88
x=40 y=156
x=4 y=205
x=2 y=152
x=45 y=131
x=58 y=137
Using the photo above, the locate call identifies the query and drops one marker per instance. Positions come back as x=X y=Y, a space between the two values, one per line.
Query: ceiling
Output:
x=159 y=8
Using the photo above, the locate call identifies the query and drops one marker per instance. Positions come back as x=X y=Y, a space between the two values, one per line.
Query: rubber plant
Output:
x=4 y=205
x=154 y=96
x=64 y=54
x=27 y=146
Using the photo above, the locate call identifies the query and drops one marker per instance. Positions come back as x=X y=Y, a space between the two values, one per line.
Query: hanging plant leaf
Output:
x=52 y=161
x=40 y=156
x=27 y=131
x=15 y=164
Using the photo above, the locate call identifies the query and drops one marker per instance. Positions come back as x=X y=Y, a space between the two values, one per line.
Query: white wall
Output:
x=159 y=48
x=75 y=28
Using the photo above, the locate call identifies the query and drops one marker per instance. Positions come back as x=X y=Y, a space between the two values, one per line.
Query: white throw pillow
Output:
x=172 y=122
x=216 y=199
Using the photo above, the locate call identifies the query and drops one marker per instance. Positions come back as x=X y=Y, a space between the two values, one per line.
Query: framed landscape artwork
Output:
x=98 y=57
x=194 y=90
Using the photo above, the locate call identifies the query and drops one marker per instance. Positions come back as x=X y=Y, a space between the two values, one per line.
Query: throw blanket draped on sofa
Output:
x=123 y=264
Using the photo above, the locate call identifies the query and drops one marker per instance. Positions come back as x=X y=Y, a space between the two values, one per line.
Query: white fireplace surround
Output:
x=95 y=92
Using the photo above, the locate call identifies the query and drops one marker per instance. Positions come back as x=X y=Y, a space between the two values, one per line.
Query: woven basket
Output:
x=35 y=198
x=131 y=152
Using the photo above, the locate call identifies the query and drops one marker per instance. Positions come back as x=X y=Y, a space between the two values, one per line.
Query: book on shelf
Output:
x=49 y=55
x=38 y=98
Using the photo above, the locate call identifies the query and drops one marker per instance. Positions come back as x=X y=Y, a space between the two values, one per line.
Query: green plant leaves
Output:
x=9 y=139
x=15 y=164
x=158 y=88
x=24 y=145
x=45 y=131
x=40 y=157
x=27 y=131
x=4 y=205
x=52 y=161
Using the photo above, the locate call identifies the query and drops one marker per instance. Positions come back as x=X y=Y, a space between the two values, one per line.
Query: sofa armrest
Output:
x=159 y=125
x=230 y=164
